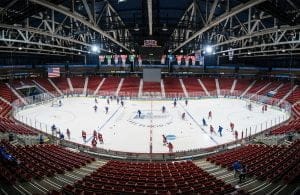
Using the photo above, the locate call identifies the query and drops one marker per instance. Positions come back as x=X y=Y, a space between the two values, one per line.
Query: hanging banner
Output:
x=198 y=56
x=193 y=60
x=108 y=57
x=123 y=57
x=163 y=59
x=171 y=58
x=140 y=61
x=201 y=62
x=187 y=60
x=131 y=58
x=116 y=59
x=178 y=58
x=230 y=54
x=101 y=58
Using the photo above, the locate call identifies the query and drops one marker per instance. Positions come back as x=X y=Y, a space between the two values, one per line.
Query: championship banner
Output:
x=230 y=54
x=201 y=62
x=140 y=60
x=198 y=56
x=101 y=58
x=123 y=57
x=116 y=59
x=108 y=57
x=178 y=58
x=131 y=58
x=171 y=57
x=187 y=60
x=193 y=60
x=163 y=59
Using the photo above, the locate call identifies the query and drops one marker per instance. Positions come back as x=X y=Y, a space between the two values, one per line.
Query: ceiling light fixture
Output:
x=164 y=28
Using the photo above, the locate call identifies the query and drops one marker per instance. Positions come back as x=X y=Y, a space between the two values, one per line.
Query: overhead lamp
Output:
x=283 y=50
x=20 y=48
x=208 y=49
x=164 y=28
x=121 y=1
x=249 y=53
x=121 y=50
x=224 y=54
x=79 y=53
x=169 y=50
x=132 y=50
x=181 y=51
x=136 y=27
x=95 y=48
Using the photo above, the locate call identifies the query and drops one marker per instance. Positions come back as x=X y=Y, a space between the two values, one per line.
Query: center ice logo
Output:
x=159 y=119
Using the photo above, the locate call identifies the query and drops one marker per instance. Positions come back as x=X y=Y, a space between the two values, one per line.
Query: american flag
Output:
x=53 y=72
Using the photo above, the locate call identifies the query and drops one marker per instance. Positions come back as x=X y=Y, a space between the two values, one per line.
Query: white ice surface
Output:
x=123 y=131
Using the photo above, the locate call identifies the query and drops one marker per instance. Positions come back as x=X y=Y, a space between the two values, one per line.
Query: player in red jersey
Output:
x=231 y=126
x=209 y=115
x=100 y=138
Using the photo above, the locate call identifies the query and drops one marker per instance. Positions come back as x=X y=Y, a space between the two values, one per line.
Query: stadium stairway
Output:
x=49 y=184
x=250 y=185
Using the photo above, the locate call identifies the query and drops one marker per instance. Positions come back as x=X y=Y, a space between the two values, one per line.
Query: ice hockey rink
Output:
x=123 y=130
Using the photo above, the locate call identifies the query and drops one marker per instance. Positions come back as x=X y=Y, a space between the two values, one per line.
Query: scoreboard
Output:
x=151 y=51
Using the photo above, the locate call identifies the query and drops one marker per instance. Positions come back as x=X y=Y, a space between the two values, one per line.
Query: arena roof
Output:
x=247 y=27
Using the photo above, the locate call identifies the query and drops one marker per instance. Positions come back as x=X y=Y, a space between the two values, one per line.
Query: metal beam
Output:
x=88 y=11
x=258 y=33
x=212 y=11
x=78 y=17
x=149 y=5
x=218 y=20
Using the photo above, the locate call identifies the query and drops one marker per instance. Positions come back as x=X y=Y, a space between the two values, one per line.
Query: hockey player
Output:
x=94 y=142
x=236 y=134
x=263 y=109
x=175 y=103
x=250 y=107
x=220 y=130
x=231 y=126
x=266 y=107
x=118 y=100
x=106 y=109
x=83 y=133
x=204 y=122
x=163 y=109
x=183 y=116
x=139 y=113
x=209 y=115
x=186 y=102
x=107 y=101
x=53 y=129
x=164 y=140
x=95 y=134
x=211 y=129
x=68 y=133
x=122 y=103
x=170 y=146
x=95 y=108
x=59 y=103
x=61 y=136
x=100 y=138
x=96 y=101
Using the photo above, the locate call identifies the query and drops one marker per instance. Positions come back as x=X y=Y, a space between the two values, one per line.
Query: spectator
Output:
x=243 y=173
x=236 y=167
